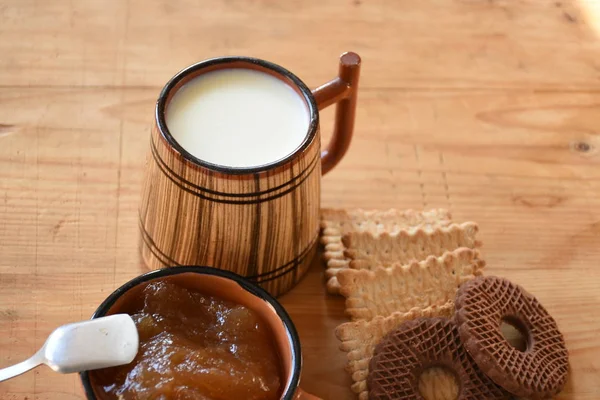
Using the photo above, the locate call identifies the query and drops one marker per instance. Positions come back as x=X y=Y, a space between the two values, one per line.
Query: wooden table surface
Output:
x=488 y=108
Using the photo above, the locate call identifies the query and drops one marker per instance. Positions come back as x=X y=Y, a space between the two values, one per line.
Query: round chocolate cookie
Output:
x=537 y=372
x=405 y=353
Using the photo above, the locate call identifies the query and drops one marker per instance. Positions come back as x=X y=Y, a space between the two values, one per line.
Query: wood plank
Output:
x=433 y=43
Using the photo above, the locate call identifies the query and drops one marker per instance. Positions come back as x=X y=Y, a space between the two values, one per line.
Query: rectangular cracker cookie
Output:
x=337 y=223
x=359 y=339
x=381 y=291
x=406 y=246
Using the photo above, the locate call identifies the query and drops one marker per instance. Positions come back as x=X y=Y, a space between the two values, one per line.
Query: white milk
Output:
x=238 y=118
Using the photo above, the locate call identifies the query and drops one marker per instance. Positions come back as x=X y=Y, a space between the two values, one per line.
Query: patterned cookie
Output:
x=405 y=246
x=406 y=352
x=399 y=288
x=540 y=371
x=359 y=339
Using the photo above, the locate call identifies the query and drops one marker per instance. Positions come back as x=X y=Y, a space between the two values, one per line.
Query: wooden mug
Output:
x=260 y=222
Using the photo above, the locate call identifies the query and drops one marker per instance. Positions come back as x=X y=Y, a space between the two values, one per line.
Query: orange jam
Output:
x=194 y=346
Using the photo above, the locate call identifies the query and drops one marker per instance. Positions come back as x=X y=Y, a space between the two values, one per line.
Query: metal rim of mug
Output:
x=288 y=76
x=253 y=289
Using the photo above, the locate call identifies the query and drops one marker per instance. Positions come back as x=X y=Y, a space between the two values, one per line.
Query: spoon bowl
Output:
x=87 y=345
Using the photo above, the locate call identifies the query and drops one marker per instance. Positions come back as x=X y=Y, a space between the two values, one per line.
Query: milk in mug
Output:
x=238 y=118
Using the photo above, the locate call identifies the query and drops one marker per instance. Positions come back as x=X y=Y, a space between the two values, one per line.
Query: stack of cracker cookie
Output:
x=392 y=267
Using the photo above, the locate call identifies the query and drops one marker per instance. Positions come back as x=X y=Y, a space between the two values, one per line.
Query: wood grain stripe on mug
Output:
x=255 y=236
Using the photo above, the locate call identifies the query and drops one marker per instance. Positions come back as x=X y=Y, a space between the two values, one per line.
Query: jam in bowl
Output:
x=204 y=334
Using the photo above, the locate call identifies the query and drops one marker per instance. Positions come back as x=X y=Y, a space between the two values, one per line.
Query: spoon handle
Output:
x=22 y=367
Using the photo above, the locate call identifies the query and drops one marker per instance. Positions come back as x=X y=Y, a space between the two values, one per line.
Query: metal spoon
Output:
x=81 y=346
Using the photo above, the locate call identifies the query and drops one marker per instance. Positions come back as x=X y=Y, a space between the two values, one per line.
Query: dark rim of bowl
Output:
x=287 y=76
x=249 y=287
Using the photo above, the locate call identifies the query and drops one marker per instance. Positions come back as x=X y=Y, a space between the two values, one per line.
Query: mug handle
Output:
x=302 y=395
x=343 y=91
